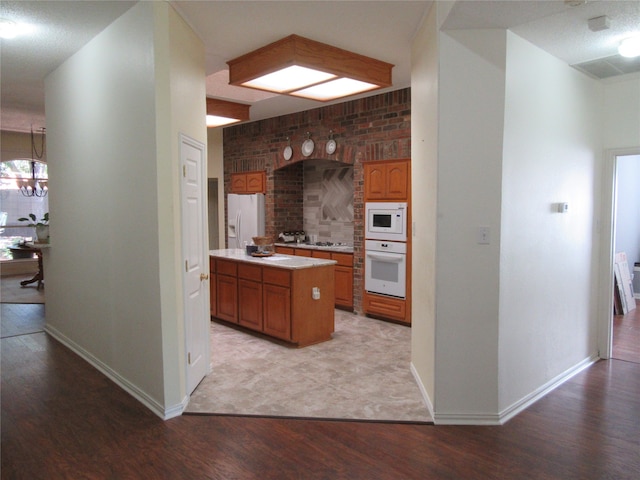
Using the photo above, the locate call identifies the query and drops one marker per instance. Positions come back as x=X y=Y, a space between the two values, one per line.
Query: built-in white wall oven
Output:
x=385 y=267
x=386 y=221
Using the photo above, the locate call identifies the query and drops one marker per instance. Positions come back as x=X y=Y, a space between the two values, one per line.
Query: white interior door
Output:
x=196 y=261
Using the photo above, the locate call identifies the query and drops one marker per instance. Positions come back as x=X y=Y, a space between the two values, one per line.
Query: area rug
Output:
x=363 y=373
x=12 y=292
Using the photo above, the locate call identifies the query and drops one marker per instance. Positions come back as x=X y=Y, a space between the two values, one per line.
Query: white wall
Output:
x=471 y=110
x=628 y=208
x=181 y=109
x=621 y=127
x=215 y=169
x=516 y=315
x=552 y=154
x=424 y=162
x=113 y=287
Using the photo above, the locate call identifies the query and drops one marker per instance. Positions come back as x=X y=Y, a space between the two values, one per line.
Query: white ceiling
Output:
x=380 y=29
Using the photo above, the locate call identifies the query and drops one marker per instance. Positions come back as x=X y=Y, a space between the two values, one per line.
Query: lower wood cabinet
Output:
x=277 y=311
x=227 y=298
x=213 y=287
x=343 y=271
x=276 y=301
x=385 y=307
x=250 y=296
x=343 y=276
x=250 y=304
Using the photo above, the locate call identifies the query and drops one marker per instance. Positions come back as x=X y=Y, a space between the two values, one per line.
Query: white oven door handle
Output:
x=386 y=257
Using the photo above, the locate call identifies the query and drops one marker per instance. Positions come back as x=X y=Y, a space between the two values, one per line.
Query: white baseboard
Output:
x=517 y=407
x=423 y=391
x=126 y=385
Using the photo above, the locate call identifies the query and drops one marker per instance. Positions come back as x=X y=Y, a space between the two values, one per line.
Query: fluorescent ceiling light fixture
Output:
x=305 y=68
x=342 y=87
x=10 y=29
x=223 y=112
x=288 y=79
x=218 y=121
x=630 y=47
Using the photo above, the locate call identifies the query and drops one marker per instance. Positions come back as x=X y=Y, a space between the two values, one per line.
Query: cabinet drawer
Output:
x=344 y=259
x=303 y=252
x=321 y=254
x=285 y=250
x=276 y=276
x=394 y=308
x=225 y=267
x=250 y=272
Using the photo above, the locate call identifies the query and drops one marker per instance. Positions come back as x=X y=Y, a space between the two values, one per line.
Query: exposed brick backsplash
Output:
x=368 y=129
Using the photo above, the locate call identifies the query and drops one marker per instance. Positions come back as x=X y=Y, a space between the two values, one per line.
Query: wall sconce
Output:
x=305 y=68
x=223 y=112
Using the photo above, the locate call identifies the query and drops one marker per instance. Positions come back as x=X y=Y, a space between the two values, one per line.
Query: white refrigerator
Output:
x=245 y=218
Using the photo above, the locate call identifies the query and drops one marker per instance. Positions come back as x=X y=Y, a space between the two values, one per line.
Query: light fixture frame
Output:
x=295 y=50
x=236 y=112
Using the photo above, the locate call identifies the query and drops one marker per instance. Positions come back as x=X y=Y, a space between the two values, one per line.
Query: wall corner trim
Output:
x=423 y=391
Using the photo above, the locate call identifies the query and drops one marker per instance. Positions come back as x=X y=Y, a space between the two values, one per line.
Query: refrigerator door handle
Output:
x=238 y=228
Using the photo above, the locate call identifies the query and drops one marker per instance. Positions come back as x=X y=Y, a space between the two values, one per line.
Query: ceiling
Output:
x=379 y=29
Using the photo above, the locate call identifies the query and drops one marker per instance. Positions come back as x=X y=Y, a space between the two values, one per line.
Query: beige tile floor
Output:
x=362 y=373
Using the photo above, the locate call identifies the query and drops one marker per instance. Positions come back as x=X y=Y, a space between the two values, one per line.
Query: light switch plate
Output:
x=483 y=236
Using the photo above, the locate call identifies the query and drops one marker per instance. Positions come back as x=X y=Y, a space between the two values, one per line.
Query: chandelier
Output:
x=34 y=187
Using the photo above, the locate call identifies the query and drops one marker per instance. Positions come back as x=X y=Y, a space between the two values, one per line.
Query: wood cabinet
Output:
x=285 y=250
x=248 y=182
x=386 y=307
x=278 y=302
x=343 y=276
x=227 y=290
x=212 y=287
x=388 y=180
x=342 y=271
x=250 y=296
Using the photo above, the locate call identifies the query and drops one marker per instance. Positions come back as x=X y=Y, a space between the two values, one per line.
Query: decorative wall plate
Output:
x=288 y=152
x=331 y=146
x=307 y=147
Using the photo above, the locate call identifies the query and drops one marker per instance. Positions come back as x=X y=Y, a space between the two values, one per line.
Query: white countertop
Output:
x=277 y=260
x=326 y=248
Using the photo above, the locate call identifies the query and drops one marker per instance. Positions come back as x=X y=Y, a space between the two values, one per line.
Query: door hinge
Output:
x=184 y=170
x=186 y=266
x=189 y=358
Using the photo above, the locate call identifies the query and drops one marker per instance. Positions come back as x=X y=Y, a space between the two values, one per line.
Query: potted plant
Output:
x=42 y=226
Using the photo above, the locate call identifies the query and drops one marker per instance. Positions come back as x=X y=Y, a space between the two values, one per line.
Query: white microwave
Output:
x=386 y=221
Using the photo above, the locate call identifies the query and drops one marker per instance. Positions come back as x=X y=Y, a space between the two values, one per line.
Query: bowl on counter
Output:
x=264 y=246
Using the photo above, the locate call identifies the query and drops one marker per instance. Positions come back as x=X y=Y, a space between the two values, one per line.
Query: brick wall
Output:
x=368 y=129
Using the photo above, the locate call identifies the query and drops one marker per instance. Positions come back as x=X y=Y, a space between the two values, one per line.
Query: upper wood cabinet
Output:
x=248 y=182
x=387 y=180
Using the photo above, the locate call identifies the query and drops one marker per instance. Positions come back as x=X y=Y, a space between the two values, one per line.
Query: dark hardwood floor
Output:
x=626 y=335
x=63 y=419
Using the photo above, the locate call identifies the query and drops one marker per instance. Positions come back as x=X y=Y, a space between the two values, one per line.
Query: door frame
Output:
x=607 y=248
x=186 y=140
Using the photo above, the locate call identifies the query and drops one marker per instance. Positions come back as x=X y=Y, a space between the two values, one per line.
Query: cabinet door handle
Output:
x=204 y=276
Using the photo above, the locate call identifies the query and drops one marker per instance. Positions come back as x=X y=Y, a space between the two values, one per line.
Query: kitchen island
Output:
x=283 y=296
